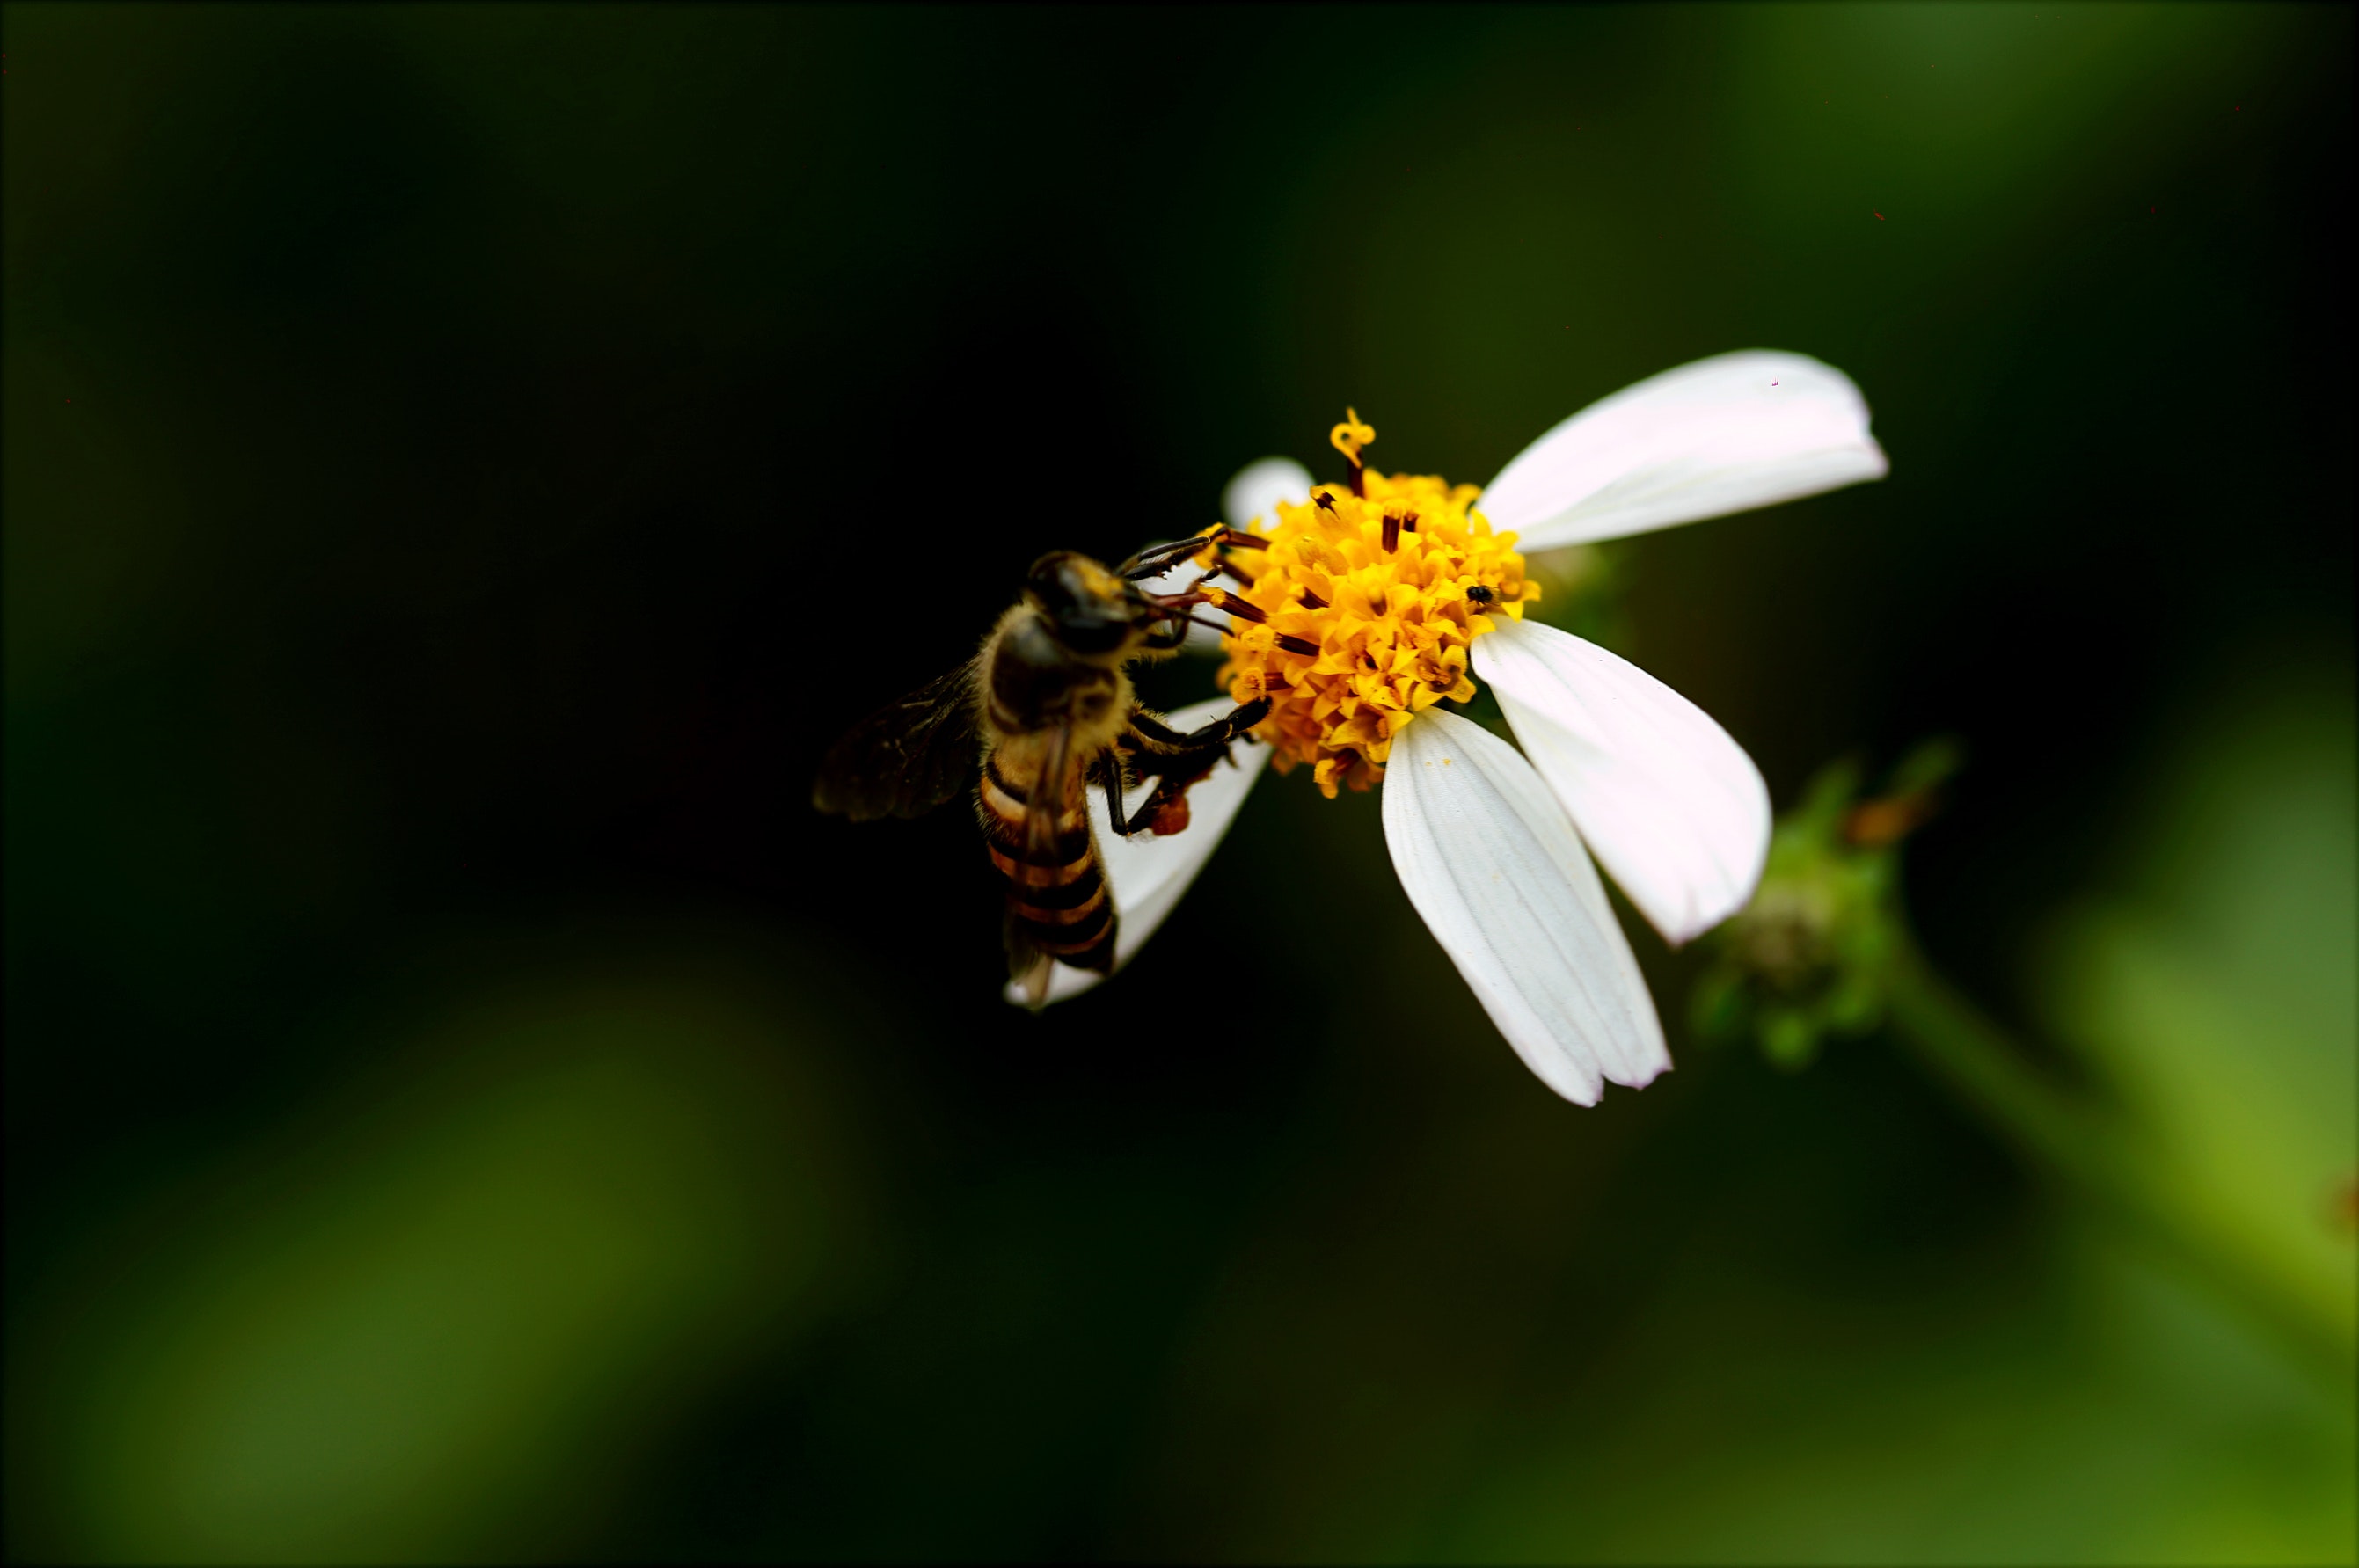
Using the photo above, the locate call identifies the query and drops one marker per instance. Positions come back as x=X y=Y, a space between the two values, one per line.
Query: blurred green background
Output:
x=463 y=464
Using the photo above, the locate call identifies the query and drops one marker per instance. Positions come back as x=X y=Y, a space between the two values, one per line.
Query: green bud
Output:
x=1805 y=961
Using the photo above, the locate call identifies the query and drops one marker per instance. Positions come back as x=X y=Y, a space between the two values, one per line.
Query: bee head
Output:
x=1088 y=609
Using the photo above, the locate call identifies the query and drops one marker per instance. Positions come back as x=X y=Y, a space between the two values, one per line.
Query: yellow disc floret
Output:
x=1357 y=614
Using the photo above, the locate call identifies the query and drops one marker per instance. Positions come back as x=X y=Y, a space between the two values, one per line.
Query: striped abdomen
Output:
x=1057 y=901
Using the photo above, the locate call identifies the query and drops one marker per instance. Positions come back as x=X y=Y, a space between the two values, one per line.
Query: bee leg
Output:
x=1179 y=763
x=1157 y=559
x=1165 y=809
x=1167 y=636
x=1161 y=737
x=1110 y=778
x=1160 y=801
x=1230 y=725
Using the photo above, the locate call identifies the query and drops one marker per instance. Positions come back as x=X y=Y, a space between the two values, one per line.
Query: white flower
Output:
x=1367 y=604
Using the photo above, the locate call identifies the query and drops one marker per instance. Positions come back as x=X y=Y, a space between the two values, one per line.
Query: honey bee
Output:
x=1045 y=709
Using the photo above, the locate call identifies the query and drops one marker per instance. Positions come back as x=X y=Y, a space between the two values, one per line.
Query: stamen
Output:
x=1392 y=533
x=1310 y=600
x=1237 y=605
x=1294 y=644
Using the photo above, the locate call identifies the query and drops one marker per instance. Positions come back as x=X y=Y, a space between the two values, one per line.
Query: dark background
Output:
x=464 y=464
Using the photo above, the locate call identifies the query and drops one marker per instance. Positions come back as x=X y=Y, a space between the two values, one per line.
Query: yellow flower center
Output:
x=1357 y=614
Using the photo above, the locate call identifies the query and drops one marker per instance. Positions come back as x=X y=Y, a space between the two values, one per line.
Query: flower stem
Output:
x=1987 y=1070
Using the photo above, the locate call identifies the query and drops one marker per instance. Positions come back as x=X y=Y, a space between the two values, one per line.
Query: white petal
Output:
x=1672 y=808
x=1255 y=493
x=1723 y=435
x=1148 y=874
x=1491 y=862
x=1259 y=487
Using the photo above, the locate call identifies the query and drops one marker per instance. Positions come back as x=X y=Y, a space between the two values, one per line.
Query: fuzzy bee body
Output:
x=1048 y=713
x=1042 y=711
x=1057 y=901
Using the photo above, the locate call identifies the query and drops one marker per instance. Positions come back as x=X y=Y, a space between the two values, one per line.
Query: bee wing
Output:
x=1046 y=803
x=908 y=757
x=1027 y=966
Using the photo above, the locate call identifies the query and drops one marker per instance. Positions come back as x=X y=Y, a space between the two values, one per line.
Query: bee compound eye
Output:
x=1086 y=633
x=1055 y=583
